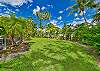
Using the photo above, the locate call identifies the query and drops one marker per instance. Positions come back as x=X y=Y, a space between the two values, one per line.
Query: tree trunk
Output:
x=84 y=18
x=11 y=39
x=41 y=29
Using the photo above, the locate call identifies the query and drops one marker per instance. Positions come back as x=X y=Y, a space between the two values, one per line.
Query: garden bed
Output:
x=13 y=51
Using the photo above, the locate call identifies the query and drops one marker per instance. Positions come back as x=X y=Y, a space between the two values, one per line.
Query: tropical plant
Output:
x=64 y=29
x=80 y=7
x=42 y=16
x=2 y=31
x=96 y=17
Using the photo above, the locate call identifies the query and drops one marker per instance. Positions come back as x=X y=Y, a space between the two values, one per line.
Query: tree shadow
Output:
x=53 y=57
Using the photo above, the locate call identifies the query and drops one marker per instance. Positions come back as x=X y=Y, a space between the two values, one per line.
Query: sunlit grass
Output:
x=51 y=55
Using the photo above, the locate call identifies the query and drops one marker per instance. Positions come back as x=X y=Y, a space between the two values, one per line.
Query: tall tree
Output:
x=80 y=7
x=31 y=27
x=64 y=29
x=42 y=16
x=51 y=30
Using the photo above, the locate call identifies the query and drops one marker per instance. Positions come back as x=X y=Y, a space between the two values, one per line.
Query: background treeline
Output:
x=22 y=29
x=19 y=29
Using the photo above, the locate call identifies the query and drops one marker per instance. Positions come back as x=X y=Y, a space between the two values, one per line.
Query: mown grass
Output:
x=51 y=55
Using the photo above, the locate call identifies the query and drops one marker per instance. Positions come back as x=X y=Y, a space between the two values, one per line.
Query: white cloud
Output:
x=74 y=24
x=4 y=14
x=76 y=14
x=54 y=22
x=37 y=9
x=82 y=18
x=80 y=21
x=60 y=22
x=34 y=11
x=29 y=5
x=2 y=5
x=89 y=20
x=77 y=22
x=59 y=18
x=4 y=9
x=77 y=18
x=8 y=11
x=67 y=9
x=84 y=12
x=43 y=8
x=97 y=1
x=61 y=12
x=16 y=2
x=50 y=6
x=17 y=10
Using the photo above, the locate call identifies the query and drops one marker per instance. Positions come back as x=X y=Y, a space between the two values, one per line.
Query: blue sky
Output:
x=57 y=9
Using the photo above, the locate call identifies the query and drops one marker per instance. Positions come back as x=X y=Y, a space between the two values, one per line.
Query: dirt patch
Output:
x=13 y=51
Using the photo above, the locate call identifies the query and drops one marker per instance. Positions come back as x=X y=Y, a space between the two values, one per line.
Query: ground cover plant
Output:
x=51 y=55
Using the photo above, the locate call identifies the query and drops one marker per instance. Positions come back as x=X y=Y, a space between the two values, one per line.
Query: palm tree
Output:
x=31 y=28
x=67 y=32
x=21 y=28
x=51 y=30
x=95 y=5
x=48 y=30
x=97 y=17
x=57 y=32
x=2 y=30
x=42 y=16
x=25 y=27
x=81 y=6
x=9 y=24
x=10 y=28
x=64 y=29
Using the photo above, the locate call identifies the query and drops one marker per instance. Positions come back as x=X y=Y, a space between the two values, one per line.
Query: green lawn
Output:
x=51 y=55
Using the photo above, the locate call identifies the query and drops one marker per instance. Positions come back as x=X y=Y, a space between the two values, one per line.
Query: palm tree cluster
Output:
x=16 y=28
x=82 y=5
x=20 y=29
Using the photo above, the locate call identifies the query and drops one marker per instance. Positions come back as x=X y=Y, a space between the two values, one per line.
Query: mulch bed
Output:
x=13 y=50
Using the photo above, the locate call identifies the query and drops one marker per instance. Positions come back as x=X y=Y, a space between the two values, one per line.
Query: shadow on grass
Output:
x=53 y=57
x=49 y=60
